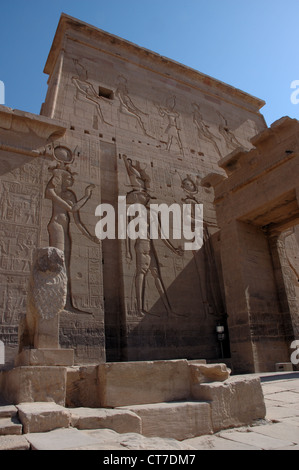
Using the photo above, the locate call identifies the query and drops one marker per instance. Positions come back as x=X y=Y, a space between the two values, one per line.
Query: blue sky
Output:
x=252 y=45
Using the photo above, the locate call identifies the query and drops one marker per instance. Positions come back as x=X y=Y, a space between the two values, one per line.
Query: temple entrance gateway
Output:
x=257 y=202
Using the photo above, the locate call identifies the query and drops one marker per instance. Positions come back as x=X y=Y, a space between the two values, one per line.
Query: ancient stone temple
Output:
x=123 y=125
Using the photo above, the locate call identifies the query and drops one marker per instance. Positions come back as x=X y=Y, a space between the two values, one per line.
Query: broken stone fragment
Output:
x=205 y=373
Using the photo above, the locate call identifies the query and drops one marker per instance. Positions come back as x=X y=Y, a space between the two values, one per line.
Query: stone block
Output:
x=82 y=387
x=238 y=401
x=9 y=426
x=135 y=383
x=121 y=421
x=177 y=420
x=45 y=357
x=35 y=384
x=42 y=417
x=201 y=373
x=8 y=411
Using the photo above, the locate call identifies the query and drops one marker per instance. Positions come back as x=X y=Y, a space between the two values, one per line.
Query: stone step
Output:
x=10 y=426
x=176 y=420
x=8 y=411
x=42 y=417
x=121 y=421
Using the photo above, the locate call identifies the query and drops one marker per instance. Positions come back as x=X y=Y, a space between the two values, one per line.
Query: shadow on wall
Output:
x=182 y=322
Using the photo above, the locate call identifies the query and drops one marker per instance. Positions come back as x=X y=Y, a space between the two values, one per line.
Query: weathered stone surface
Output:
x=42 y=417
x=35 y=384
x=209 y=373
x=46 y=299
x=236 y=402
x=14 y=443
x=135 y=383
x=174 y=420
x=121 y=421
x=60 y=439
x=45 y=357
x=216 y=442
x=7 y=411
x=82 y=387
x=10 y=426
x=73 y=439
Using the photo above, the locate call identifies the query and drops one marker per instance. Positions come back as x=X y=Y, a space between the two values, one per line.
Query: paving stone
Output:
x=14 y=443
x=60 y=439
x=255 y=439
x=218 y=443
x=277 y=413
x=285 y=431
x=134 y=441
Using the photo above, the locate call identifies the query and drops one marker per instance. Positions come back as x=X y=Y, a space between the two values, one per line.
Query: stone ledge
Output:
x=121 y=421
x=181 y=420
x=136 y=383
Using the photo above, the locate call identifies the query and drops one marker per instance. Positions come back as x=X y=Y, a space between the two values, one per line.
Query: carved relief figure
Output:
x=203 y=129
x=172 y=131
x=227 y=134
x=209 y=289
x=126 y=104
x=86 y=89
x=146 y=255
x=65 y=203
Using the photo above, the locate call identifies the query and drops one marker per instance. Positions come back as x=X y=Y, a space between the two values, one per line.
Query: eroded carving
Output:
x=86 y=89
x=46 y=299
x=172 y=130
x=126 y=104
x=229 y=137
x=203 y=129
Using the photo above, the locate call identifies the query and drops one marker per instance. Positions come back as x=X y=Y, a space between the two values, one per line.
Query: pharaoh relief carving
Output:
x=228 y=136
x=172 y=131
x=203 y=130
x=86 y=90
x=222 y=134
x=64 y=205
x=206 y=266
x=127 y=106
x=146 y=257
